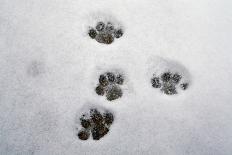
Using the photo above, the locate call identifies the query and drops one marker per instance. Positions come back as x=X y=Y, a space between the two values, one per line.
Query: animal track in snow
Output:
x=105 y=32
x=168 y=83
x=35 y=68
x=96 y=123
x=109 y=85
x=168 y=76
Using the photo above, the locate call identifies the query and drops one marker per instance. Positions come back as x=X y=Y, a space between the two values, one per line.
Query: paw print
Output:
x=105 y=33
x=109 y=85
x=35 y=68
x=95 y=123
x=168 y=83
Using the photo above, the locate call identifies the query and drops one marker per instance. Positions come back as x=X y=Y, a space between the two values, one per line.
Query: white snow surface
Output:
x=49 y=69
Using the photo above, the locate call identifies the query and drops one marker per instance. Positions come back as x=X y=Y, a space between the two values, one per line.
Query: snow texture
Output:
x=50 y=69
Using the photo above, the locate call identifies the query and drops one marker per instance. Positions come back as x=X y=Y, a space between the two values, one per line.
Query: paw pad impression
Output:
x=95 y=123
x=169 y=82
x=105 y=33
x=109 y=85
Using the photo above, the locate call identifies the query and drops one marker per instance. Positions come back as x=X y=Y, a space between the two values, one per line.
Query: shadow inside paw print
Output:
x=109 y=85
x=97 y=124
x=105 y=32
x=168 y=83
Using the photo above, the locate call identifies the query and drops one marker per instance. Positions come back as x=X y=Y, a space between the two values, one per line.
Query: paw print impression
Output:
x=95 y=123
x=170 y=77
x=105 y=32
x=168 y=83
x=109 y=85
x=35 y=68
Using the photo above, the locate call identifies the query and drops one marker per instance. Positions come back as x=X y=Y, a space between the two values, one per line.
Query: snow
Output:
x=50 y=68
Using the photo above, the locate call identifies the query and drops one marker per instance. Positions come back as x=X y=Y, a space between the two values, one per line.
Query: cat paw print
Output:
x=95 y=123
x=105 y=32
x=169 y=83
x=168 y=76
x=109 y=85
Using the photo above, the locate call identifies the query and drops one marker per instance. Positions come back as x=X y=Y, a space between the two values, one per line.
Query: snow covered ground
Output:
x=49 y=68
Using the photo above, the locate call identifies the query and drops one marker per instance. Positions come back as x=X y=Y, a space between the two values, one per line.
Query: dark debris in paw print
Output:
x=109 y=118
x=118 y=33
x=119 y=79
x=104 y=38
x=109 y=85
x=169 y=88
x=86 y=123
x=98 y=131
x=165 y=77
x=97 y=125
x=114 y=92
x=83 y=135
x=100 y=90
x=168 y=83
x=92 y=33
x=105 y=33
x=184 y=86
x=100 y=26
x=110 y=76
x=155 y=81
